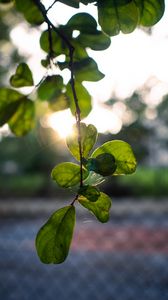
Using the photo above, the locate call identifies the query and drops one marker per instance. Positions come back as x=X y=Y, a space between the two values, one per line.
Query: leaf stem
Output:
x=75 y=199
x=72 y=80
x=77 y=114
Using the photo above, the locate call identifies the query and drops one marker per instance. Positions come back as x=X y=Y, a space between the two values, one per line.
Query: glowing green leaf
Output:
x=24 y=118
x=87 y=70
x=123 y=154
x=104 y=164
x=22 y=76
x=84 y=99
x=115 y=16
x=88 y=139
x=9 y=102
x=30 y=11
x=151 y=11
x=67 y=174
x=94 y=179
x=16 y=110
x=89 y=192
x=100 y=208
x=50 y=88
x=60 y=102
x=54 y=238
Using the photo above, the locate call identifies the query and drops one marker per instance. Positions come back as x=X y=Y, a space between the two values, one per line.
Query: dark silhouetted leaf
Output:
x=100 y=208
x=73 y=3
x=83 y=22
x=22 y=76
x=87 y=1
x=54 y=238
x=88 y=139
x=124 y=156
x=87 y=70
x=5 y=1
x=104 y=164
x=96 y=41
x=67 y=174
x=30 y=11
x=84 y=99
x=90 y=192
x=151 y=11
x=24 y=118
x=115 y=16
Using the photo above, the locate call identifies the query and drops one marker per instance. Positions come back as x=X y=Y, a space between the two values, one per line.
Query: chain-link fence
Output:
x=125 y=259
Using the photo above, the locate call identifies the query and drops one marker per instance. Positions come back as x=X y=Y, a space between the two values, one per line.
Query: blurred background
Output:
x=127 y=258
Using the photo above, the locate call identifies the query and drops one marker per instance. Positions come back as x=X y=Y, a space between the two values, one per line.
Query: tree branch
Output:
x=71 y=67
x=51 y=6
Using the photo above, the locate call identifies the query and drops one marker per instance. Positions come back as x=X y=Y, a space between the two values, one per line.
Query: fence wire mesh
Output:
x=125 y=259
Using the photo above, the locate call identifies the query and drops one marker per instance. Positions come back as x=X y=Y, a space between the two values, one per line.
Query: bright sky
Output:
x=128 y=64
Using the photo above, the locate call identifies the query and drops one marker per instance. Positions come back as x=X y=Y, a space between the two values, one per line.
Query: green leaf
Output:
x=9 y=103
x=124 y=156
x=30 y=11
x=151 y=11
x=24 y=118
x=115 y=16
x=50 y=88
x=22 y=76
x=87 y=70
x=100 y=208
x=58 y=45
x=94 y=179
x=73 y=3
x=86 y=2
x=60 y=102
x=84 y=99
x=17 y=110
x=89 y=192
x=104 y=164
x=95 y=41
x=54 y=238
x=67 y=174
x=83 y=22
x=88 y=139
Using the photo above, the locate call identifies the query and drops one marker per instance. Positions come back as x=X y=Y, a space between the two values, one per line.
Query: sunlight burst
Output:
x=62 y=122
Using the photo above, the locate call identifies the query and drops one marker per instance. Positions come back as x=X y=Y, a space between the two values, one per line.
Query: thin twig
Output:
x=47 y=20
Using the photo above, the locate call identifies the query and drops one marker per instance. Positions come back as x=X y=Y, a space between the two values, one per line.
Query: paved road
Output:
x=125 y=259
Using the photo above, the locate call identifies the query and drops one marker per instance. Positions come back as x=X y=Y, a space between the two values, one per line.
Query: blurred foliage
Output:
x=9 y=55
x=150 y=182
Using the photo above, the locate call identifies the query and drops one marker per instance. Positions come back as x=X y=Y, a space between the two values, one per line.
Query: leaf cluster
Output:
x=113 y=17
x=112 y=158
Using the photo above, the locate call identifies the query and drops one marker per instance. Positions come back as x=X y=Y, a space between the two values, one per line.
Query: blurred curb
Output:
x=39 y=207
